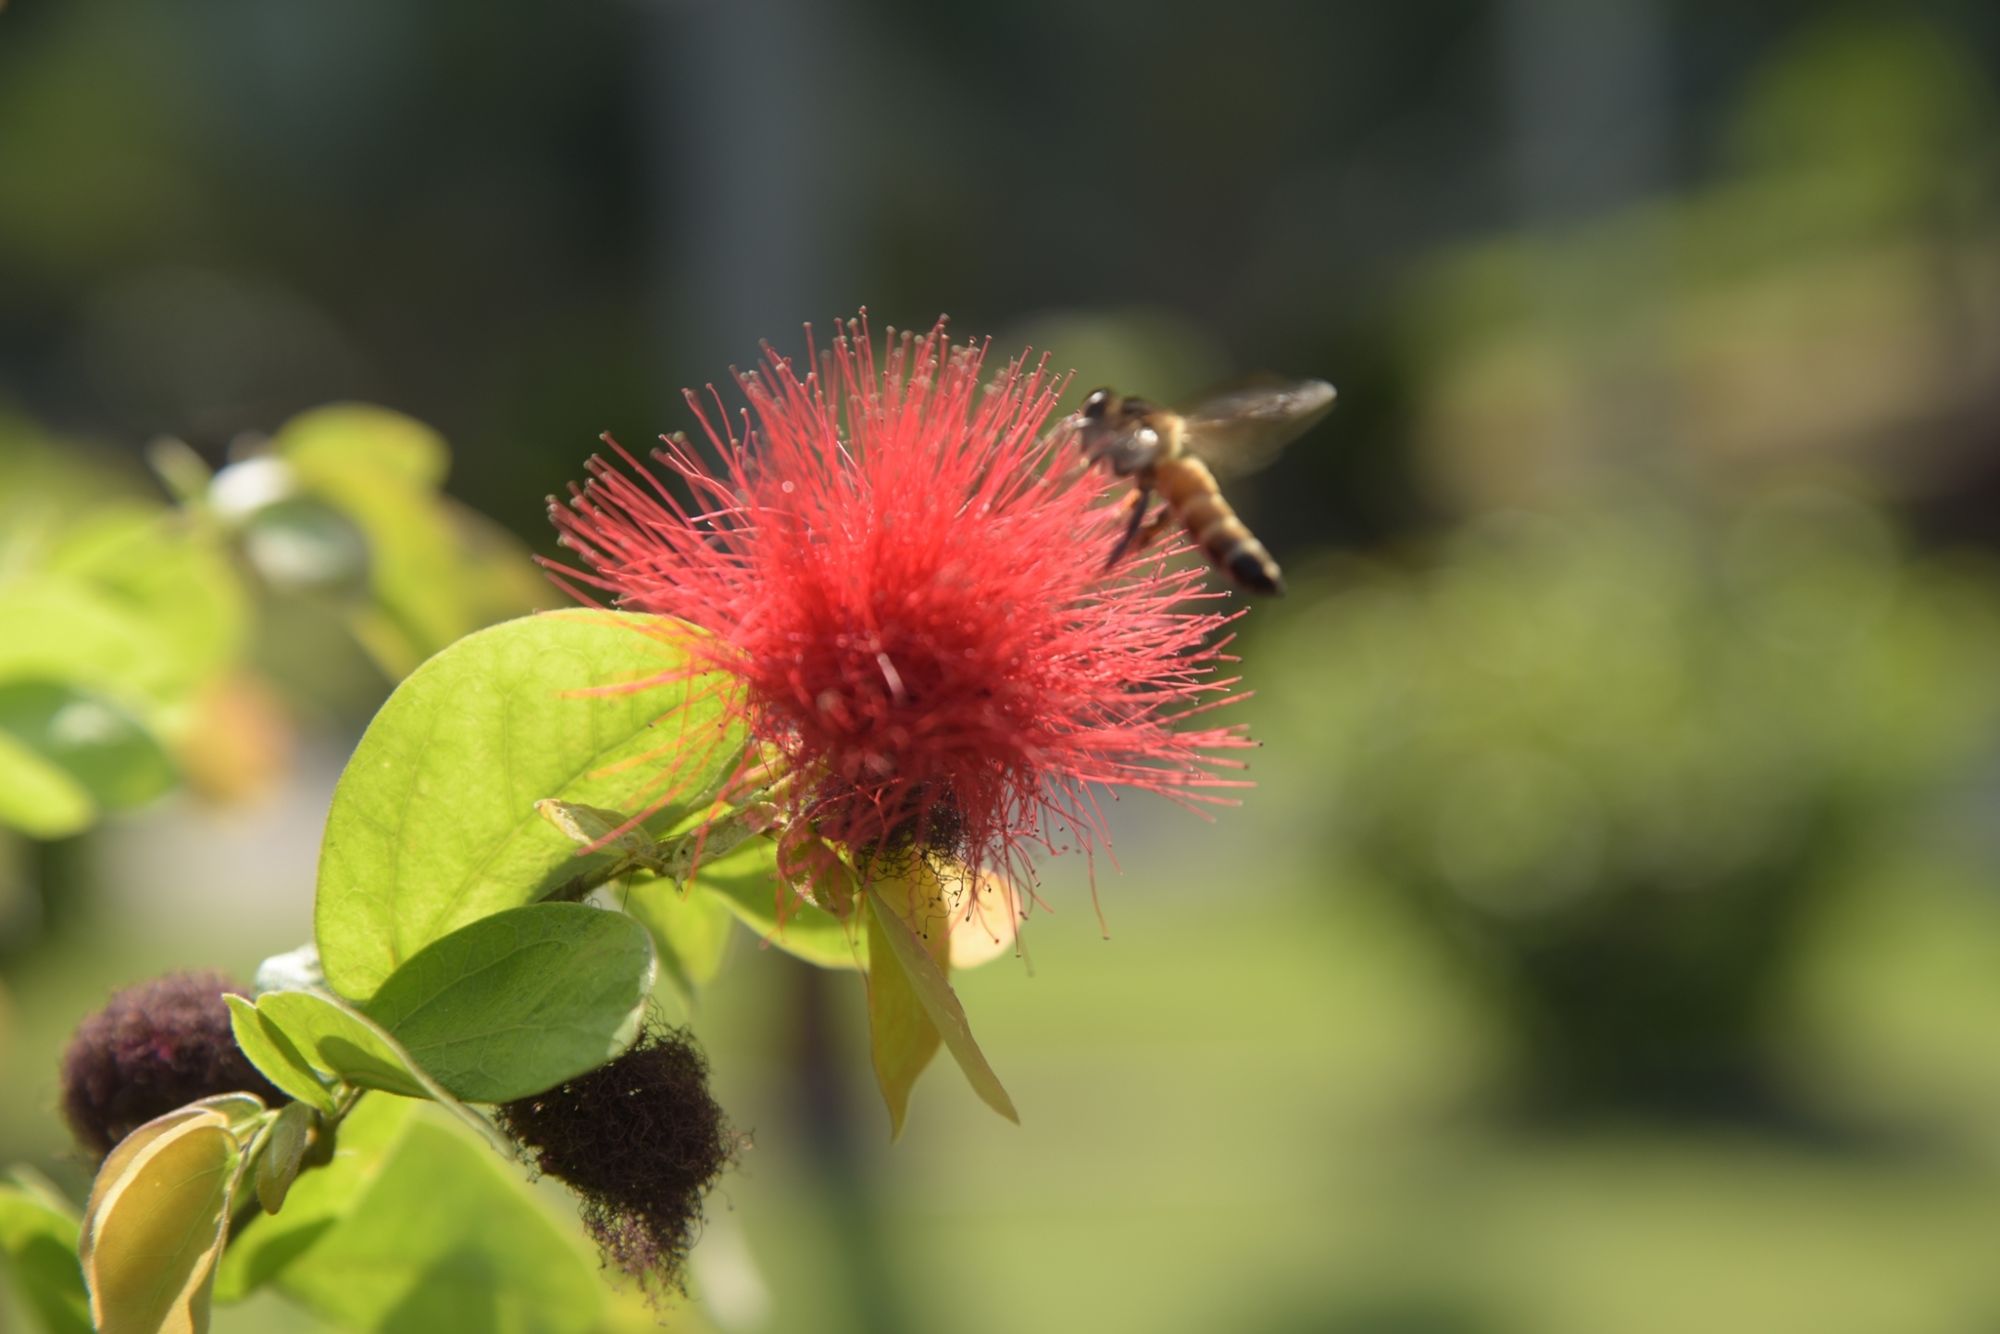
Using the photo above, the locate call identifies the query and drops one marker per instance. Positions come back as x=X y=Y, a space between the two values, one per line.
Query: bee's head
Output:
x=1096 y=405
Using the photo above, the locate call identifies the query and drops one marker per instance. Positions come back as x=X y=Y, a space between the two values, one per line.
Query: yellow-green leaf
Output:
x=916 y=896
x=155 y=1224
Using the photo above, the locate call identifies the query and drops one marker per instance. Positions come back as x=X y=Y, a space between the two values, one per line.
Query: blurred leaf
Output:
x=437 y=1234
x=690 y=929
x=284 y=1150
x=746 y=881
x=903 y=906
x=520 y=1001
x=154 y=565
x=381 y=469
x=95 y=742
x=38 y=1243
x=59 y=628
x=361 y=440
x=433 y=824
x=267 y=1048
x=155 y=1224
x=38 y=798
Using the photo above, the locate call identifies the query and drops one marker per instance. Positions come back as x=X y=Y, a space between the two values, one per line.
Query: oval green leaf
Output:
x=434 y=824
x=275 y=1056
x=520 y=1001
x=155 y=1224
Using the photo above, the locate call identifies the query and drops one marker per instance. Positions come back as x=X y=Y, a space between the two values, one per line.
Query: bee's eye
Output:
x=1094 y=406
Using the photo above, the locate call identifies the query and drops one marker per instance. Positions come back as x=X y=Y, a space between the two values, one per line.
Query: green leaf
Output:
x=95 y=741
x=434 y=825
x=919 y=895
x=341 y=1043
x=381 y=470
x=262 y=1249
x=60 y=628
x=174 y=577
x=443 y=1236
x=284 y=1150
x=746 y=881
x=518 y=1002
x=155 y=1224
x=690 y=930
x=37 y=797
x=362 y=441
x=38 y=1242
x=273 y=1053
x=901 y=1037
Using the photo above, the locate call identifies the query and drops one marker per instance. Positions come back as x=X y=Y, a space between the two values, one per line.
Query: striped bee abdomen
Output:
x=1190 y=490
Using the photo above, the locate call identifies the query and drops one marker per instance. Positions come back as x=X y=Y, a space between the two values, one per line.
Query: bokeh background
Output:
x=1613 y=939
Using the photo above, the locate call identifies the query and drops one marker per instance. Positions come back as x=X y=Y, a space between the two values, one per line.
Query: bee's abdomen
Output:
x=1189 y=487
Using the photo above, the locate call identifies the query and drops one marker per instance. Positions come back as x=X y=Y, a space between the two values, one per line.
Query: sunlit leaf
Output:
x=38 y=1244
x=520 y=1001
x=442 y=1236
x=434 y=824
x=913 y=902
x=274 y=1054
x=156 y=1222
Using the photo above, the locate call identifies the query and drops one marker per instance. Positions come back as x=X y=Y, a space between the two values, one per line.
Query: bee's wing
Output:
x=1240 y=429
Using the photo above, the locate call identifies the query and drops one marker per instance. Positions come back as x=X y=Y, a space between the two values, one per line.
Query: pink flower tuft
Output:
x=908 y=578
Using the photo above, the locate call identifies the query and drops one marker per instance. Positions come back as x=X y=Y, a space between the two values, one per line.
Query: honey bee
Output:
x=1169 y=453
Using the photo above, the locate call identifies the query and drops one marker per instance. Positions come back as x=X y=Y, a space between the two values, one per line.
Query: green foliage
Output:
x=1624 y=754
x=38 y=1240
x=130 y=621
x=520 y=1001
x=413 y=1224
x=434 y=826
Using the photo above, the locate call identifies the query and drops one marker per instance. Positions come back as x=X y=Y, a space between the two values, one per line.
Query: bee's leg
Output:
x=1136 y=502
x=1152 y=532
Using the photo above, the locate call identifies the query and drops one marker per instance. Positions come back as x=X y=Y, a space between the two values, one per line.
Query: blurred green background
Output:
x=1612 y=941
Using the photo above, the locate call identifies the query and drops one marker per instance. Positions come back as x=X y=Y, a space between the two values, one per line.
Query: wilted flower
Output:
x=640 y=1140
x=907 y=575
x=154 y=1047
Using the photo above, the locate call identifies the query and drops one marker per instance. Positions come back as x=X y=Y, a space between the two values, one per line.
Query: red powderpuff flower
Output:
x=907 y=576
